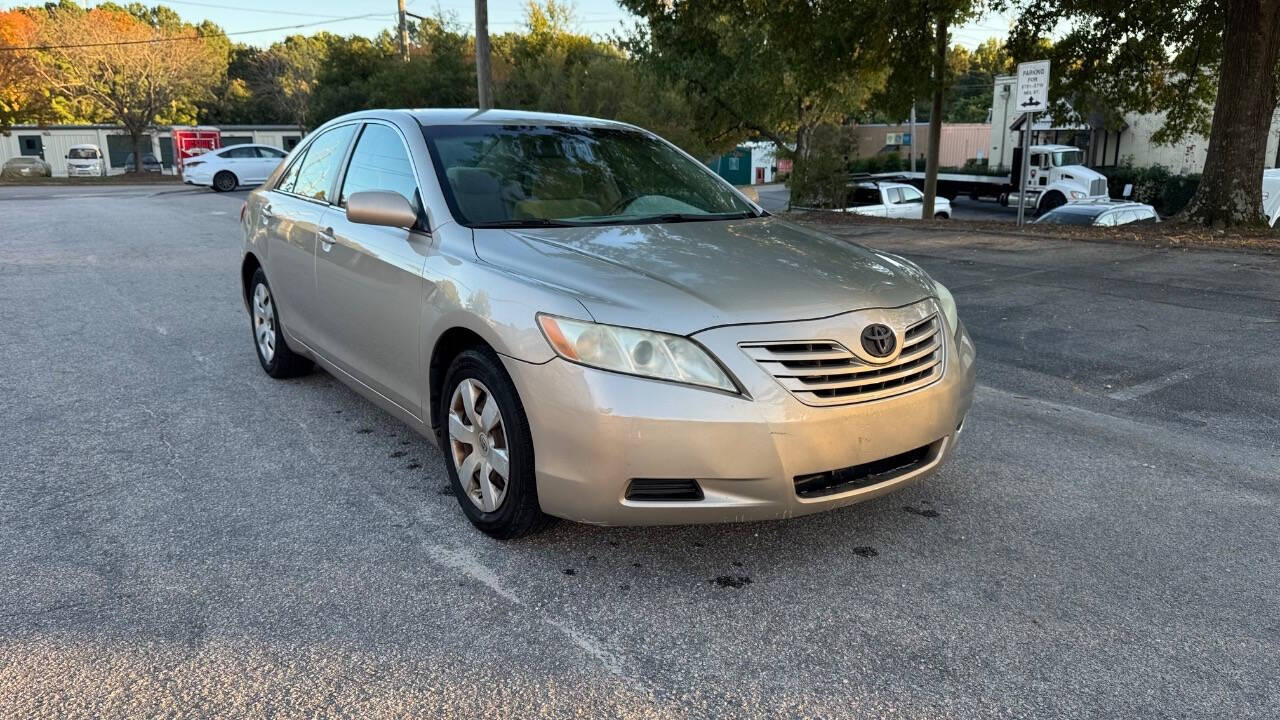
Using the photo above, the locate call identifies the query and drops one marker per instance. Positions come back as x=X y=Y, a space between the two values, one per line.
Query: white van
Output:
x=86 y=160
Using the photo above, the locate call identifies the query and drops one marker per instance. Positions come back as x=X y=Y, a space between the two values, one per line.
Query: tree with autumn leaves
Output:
x=134 y=67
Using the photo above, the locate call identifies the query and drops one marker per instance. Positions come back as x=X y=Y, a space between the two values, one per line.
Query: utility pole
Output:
x=911 y=146
x=404 y=32
x=484 y=91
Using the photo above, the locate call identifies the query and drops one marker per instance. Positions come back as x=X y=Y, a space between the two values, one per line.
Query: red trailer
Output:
x=189 y=142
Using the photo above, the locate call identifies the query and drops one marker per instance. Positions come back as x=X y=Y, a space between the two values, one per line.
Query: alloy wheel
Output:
x=478 y=440
x=264 y=322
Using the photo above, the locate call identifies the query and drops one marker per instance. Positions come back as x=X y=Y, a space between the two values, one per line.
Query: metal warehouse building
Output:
x=52 y=142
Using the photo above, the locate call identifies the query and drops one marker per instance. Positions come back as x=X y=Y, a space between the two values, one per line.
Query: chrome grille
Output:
x=1098 y=187
x=824 y=372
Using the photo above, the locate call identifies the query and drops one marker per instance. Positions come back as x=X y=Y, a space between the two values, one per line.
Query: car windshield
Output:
x=536 y=176
x=1067 y=157
x=1072 y=216
x=82 y=154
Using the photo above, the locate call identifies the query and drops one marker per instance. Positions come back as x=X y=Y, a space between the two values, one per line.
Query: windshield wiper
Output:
x=687 y=217
x=529 y=223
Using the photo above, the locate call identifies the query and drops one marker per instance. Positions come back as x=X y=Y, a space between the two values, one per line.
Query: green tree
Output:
x=1208 y=65
x=776 y=69
x=919 y=60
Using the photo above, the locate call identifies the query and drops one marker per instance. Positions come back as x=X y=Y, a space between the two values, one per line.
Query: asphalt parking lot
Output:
x=180 y=532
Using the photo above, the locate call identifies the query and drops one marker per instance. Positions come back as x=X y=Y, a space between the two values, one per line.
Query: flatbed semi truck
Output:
x=1057 y=176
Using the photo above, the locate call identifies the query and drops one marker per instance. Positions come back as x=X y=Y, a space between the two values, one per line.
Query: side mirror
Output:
x=381 y=207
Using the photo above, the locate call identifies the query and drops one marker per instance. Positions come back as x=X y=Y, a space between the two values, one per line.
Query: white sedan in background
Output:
x=227 y=168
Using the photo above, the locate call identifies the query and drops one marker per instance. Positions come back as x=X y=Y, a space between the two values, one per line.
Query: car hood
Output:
x=685 y=277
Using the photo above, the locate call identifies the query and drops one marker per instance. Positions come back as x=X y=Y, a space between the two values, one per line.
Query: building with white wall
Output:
x=52 y=142
x=1132 y=144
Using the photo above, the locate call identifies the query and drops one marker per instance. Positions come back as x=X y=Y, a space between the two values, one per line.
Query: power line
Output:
x=196 y=36
x=242 y=8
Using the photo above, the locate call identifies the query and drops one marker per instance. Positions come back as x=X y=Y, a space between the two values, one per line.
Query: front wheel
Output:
x=940 y=216
x=1051 y=201
x=488 y=448
x=225 y=181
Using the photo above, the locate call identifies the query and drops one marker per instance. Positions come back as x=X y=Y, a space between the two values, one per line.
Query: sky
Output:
x=596 y=18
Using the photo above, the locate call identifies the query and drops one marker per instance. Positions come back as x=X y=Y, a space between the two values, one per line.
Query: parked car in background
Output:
x=1271 y=195
x=592 y=325
x=227 y=168
x=25 y=166
x=149 y=164
x=892 y=200
x=85 y=161
x=1101 y=214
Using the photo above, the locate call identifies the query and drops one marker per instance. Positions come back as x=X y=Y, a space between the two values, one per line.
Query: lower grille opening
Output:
x=650 y=490
x=860 y=476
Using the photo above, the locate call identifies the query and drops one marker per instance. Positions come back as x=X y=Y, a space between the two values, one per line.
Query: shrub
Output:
x=1154 y=185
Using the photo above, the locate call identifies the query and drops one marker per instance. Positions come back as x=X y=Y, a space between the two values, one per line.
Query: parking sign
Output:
x=1033 y=86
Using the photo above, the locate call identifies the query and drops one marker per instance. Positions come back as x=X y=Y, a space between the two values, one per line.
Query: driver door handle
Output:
x=326 y=238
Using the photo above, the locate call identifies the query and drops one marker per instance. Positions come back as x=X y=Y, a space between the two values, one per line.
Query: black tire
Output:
x=940 y=216
x=519 y=513
x=283 y=362
x=1053 y=200
x=225 y=181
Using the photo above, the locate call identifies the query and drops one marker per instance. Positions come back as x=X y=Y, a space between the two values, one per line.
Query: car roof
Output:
x=1053 y=148
x=428 y=117
x=1097 y=208
x=84 y=146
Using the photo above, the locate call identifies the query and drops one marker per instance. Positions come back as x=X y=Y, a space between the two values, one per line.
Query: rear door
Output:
x=292 y=215
x=370 y=288
x=241 y=160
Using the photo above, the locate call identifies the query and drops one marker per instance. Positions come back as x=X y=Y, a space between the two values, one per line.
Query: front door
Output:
x=292 y=216
x=369 y=284
x=759 y=175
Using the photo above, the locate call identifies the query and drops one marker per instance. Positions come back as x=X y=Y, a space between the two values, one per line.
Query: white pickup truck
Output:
x=1057 y=177
x=892 y=200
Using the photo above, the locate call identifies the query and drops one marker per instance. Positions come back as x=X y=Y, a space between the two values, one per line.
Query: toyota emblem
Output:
x=878 y=340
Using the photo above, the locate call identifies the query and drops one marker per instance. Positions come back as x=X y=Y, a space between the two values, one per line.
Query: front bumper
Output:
x=596 y=431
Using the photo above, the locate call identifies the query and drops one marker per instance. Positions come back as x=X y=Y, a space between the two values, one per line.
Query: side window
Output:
x=893 y=196
x=239 y=153
x=320 y=166
x=911 y=195
x=1106 y=219
x=380 y=162
x=290 y=176
x=270 y=153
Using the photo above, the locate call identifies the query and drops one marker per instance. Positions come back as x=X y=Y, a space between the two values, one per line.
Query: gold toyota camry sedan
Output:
x=592 y=325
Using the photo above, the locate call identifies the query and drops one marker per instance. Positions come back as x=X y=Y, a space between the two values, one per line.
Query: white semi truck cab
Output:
x=1057 y=176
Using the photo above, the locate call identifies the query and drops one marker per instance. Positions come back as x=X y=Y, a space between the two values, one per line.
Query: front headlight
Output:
x=948 y=304
x=634 y=352
x=1077 y=195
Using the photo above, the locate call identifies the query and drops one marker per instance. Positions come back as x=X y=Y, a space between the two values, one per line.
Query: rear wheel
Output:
x=488 y=447
x=940 y=216
x=225 y=181
x=277 y=359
